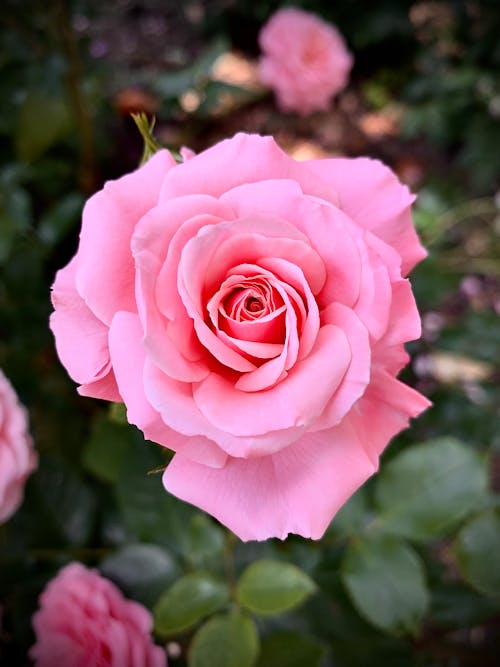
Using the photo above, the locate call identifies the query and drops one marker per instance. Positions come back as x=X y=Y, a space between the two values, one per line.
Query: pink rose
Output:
x=305 y=60
x=17 y=456
x=251 y=311
x=84 y=621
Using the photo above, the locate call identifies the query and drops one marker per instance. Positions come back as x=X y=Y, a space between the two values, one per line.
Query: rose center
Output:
x=250 y=300
x=253 y=304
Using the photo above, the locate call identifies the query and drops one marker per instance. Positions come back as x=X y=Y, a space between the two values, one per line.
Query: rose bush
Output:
x=251 y=312
x=305 y=60
x=17 y=456
x=84 y=621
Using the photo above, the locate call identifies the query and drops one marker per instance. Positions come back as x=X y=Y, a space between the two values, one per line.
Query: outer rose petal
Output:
x=404 y=320
x=245 y=158
x=373 y=197
x=297 y=490
x=384 y=411
x=105 y=273
x=81 y=339
x=105 y=388
x=129 y=356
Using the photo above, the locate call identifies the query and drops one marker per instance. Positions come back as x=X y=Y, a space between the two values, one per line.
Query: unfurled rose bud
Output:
x=305 y=60
x=85 y=621
x=17 y=456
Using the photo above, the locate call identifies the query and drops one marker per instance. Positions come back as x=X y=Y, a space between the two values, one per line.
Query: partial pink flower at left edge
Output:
x=18 y=458
x=85 y=621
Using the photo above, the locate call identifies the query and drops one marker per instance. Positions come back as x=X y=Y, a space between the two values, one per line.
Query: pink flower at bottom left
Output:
x=85 y=621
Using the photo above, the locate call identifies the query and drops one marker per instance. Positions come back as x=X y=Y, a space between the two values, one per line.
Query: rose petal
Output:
x=375 y=295
x=252 y=348
x=104 y=389
x=373 y=197
x=105 y=274
x=268 y=328
x=294 y=277
x=404 y=325
x=275 y=369
x=404 y=319
x=297 y=490
x=81 y=339
x=357 y=376
x=245 y=158
x=336 y=239
x=150 y=244
x=129 y=357
x=275 y=197
x=174 y=400
x=248 y=240
x=384 y=411
x=212 y=248
x=329 y=231
x=293 y=403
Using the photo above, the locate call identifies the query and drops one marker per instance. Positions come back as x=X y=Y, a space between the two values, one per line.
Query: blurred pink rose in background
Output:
x=251 y=312
x=17 y=456
x=84 y=621
x=305 y=60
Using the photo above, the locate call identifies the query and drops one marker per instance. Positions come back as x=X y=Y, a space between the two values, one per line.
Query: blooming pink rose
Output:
x=17 y=456
x=251 y=311
x=305 y=60
x=84 y=621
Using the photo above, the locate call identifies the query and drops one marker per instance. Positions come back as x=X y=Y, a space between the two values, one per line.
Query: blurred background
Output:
x=415 y=584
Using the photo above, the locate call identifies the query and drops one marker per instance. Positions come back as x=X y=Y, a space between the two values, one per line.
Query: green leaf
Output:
x=187 y=601
x=350 y=518
x=205 y=543
x=117 y=413
x=478 y=335
x=228 y=640
x=204 y=62
x=223 y=98
x=141 y=570
x=15 y=210
x=43 y=121
x=173 y=84
x=430 y=487
x=68 y=502
x=106 y=449
x=456 y=605
x=60 y=219
x=149 y=512
x=477 y=550
x=272 y=587
x=290 y=649
x=385 y=580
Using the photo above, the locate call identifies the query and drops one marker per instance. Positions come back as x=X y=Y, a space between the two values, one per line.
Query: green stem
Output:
x=88 y=169
x=229 y=545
